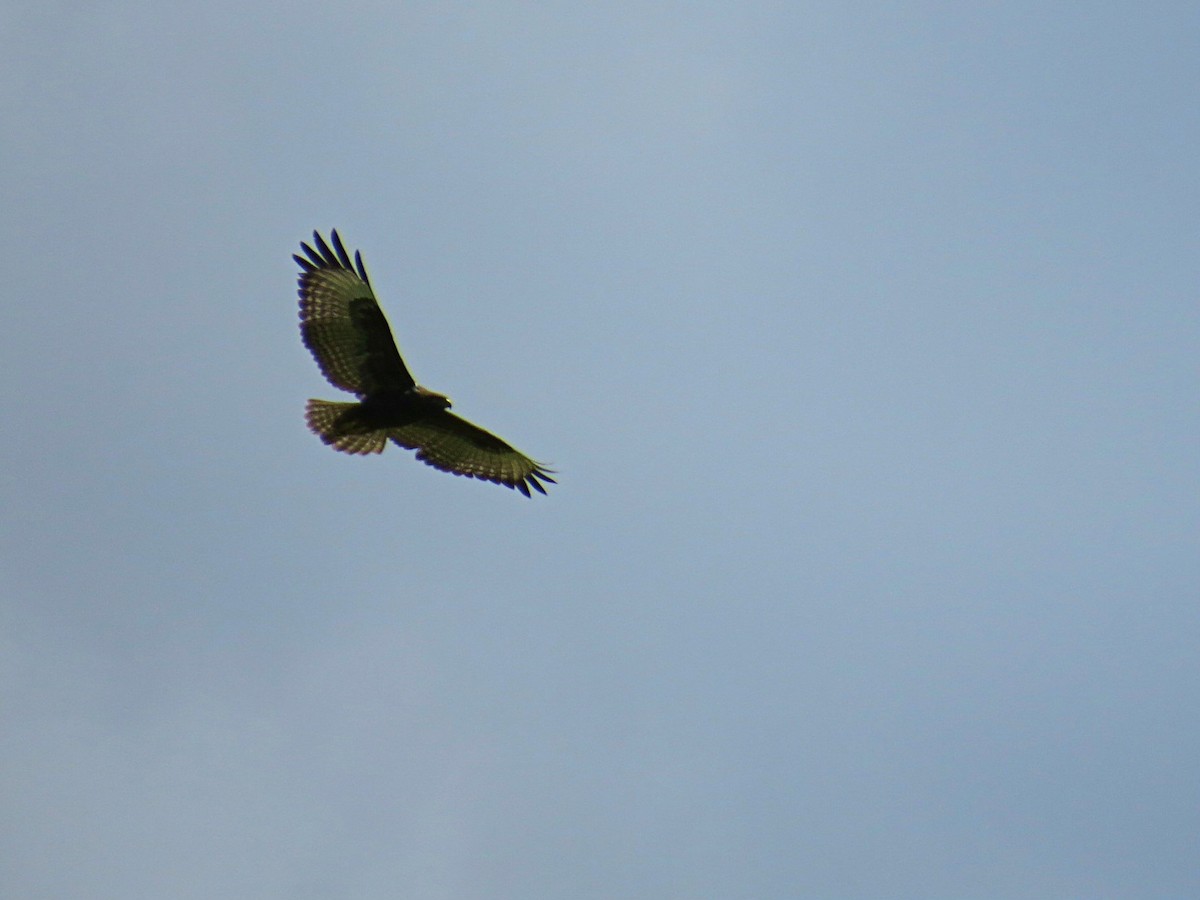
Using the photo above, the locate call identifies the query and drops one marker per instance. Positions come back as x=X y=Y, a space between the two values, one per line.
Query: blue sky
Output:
x=864 y=339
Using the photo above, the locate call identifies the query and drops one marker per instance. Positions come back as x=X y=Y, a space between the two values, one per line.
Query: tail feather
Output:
x=338 y=426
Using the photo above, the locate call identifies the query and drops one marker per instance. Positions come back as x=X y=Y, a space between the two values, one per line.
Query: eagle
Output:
x=343 y=326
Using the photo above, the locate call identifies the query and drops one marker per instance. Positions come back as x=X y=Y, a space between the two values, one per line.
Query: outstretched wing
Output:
x=342 y=324
x=451 y=444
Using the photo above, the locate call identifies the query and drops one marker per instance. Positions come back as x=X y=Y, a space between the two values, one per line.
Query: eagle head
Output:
x=433 y=398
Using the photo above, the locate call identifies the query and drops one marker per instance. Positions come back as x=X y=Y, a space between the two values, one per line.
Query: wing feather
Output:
x=454 y=445
x=341 y=322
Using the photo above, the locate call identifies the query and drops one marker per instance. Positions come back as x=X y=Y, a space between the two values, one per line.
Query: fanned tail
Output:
x=338 y=425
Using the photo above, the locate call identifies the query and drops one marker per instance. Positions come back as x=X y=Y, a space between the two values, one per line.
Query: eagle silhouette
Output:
x=344 y=328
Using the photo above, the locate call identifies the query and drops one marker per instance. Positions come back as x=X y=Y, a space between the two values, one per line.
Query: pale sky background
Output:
x=865 y=340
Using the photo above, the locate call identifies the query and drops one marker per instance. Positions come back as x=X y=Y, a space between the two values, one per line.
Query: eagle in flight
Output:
x=344 y=328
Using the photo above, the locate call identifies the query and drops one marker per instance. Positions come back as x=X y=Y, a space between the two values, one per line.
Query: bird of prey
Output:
x=344 y=328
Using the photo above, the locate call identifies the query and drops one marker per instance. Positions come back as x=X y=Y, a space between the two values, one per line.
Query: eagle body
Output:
x=395 y=409
x=344 y=328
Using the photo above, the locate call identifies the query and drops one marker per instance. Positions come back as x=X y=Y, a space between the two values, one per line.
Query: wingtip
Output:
x=331 y=254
